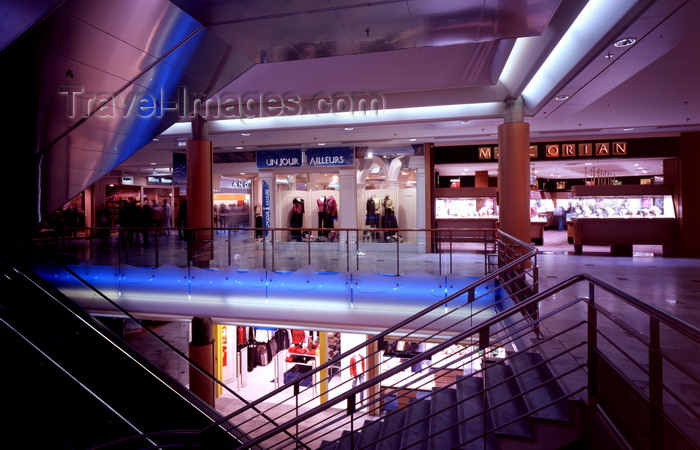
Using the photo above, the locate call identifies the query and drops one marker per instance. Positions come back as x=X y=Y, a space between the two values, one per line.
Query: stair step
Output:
x=369 y=434
x=390 y=424
x=513 y=405
x=551 y=390
x=418 y=425
x=470 y=414
x=443 y=419
x=346 y=442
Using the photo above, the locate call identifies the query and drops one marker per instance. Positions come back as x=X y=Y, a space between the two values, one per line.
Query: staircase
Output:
x=515 y=402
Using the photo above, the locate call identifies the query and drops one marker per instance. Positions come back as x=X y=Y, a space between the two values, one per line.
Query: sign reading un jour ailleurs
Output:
x=313 y=157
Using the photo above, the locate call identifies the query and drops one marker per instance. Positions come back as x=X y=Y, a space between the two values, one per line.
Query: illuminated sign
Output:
x=571 y=150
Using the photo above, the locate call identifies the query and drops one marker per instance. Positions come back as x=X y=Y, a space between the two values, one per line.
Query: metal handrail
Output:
x=397 y=369
x=498 y=329
x=687 y=330
x=163 y=341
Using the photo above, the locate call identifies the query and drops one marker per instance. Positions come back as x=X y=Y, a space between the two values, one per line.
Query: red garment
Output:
x=298 y=336
x=353 y=365
x=331 y=207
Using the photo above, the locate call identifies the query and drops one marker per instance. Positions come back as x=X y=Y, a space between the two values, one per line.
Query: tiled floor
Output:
x=671 y=284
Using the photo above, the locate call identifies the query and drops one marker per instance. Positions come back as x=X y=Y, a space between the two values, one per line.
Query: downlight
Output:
x=625 y=42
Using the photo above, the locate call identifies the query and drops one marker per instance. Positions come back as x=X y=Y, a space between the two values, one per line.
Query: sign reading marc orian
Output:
x=574 y=150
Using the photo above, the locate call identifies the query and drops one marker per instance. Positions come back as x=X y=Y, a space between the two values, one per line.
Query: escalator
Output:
x=70 y=382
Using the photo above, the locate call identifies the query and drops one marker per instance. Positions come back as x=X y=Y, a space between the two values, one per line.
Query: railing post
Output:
x=264 y=252
x=438 y=248
x=592 y=349
x=398 y=268
x=228 y=237
x=347 y=249
x=451 y=239
x=308 y=251
x=157 y=245
x=656 y=385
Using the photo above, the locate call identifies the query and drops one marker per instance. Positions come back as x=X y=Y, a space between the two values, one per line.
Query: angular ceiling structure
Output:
x=93 y=82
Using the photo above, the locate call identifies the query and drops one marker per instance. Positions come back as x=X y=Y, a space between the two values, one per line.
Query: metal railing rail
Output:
x=579 y=358
x=171 y=348
x=469 y=290
x=268 y=241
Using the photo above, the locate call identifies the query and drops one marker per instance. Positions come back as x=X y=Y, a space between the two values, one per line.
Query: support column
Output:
x=200 y=216
x=348 y=202
x=688 y=195
x=200 y=200
x=481 y=178
x=513 y=172
x=372 y=366
x=429 y=155
x=201 y=350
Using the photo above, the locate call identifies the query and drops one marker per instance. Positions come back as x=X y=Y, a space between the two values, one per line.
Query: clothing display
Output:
x=327 y=213
x=389 y=219
x=296 y=219
x=372 y=213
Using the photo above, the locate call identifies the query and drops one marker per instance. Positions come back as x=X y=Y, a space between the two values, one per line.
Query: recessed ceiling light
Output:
x=412 y=140
x=625 y=42
x=321 y=143
x=156 y=139
x=464 y=122
x=239 y=148
x=561 y=97
x=245 y=134
x=349 y=128
x=153 y=164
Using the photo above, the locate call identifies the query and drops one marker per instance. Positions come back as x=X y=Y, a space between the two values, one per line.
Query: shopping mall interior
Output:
x=213 y=175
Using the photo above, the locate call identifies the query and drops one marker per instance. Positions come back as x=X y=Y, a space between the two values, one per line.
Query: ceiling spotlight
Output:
x=321 y=143
x=609 y=56
x=627 y=129
x=412 y=140
x=245 y=134
x=561 y=98
x=239 y=148
x=625 y=42
x=349 y=128
x=464 y=122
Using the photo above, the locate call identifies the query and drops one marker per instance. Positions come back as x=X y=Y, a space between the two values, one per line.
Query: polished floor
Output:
x=671 y=284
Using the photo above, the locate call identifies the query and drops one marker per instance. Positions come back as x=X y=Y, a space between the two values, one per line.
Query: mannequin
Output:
x=297 y=217
x=372 y=214
x=389 y=218
x=327 y=213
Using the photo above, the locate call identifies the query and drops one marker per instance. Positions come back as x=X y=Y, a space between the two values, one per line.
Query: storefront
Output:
x=460 y=199
x=317 y=194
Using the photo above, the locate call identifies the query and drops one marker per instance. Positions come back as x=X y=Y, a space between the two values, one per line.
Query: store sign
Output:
x=315 y=157
x=127 y=180
x=600 y=149
x=270 y=159
x=336 y=156
x=159 y=180
x=266 y=205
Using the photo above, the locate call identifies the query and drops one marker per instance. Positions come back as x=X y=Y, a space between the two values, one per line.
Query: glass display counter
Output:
x=621 y=217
